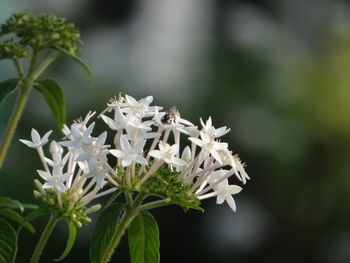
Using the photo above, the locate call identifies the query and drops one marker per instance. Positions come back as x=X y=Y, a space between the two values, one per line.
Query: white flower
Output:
x=95 y=150
x=129 y=154
x=36 y=140
x=167 y=153
x=210 y=145
x=223 y=190
x=118 y=123
x=209 y=129
x=139 y=108
x=55 y=180
x=98 y=169
x=79 y=137
x=137 y=123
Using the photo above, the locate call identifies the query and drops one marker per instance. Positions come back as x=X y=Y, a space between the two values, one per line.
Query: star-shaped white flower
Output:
x=223 y=190
x=98 y=169
x=37 y=141
x=139 y=108
x=118 y=123
x=79 y=137
x=210 y=145
x=56 y=180
x=129 y=154
x=209 y=129
x=167 y=154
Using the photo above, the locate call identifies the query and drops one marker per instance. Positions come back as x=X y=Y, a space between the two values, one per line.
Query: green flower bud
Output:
x=93 y=208
x=78 y=224
x=50 y=201
x=73 y=216
x=38 y=185
x=36 y=194
x=86 y=219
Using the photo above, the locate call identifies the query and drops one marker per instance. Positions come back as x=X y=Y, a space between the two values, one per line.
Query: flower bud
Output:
x=86 y=219
x=186 y=154
x=93 y=208
x=73 y=216
x=36 y=194
x=38 y=185
x=78 y=224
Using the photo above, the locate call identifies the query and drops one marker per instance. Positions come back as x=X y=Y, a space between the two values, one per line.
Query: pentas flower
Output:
x=37 y=141
x=129 y=154
x=147 y=157
x=167 y=154
x=54 y=180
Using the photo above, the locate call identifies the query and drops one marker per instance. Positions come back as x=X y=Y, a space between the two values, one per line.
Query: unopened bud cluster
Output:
x=38 y=33
x=70 y=206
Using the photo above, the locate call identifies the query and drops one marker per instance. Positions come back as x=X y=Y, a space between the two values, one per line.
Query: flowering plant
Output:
x=157 y=158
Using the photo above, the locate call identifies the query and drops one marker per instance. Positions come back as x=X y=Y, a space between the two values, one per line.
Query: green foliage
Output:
x=42 y=31
x=70 y=241
x=6 y=202
x=54 y=96
x=105 y=228
x=143 y=235
x=77 y=59
x=8 y=87
x=8 y=242
x=18 y=218
x=168 y=184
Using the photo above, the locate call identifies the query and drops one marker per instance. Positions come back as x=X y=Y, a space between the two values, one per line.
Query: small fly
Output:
x=170 y=116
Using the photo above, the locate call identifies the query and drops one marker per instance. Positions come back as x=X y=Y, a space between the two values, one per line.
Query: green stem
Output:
x=43 y=239
x=127 y=218
x=45 y=64
x=128 y=198
x=18 y=67
x=14 y=118
x=138 y=199
x=33 y=63
x=155 y=204
x=112 y=198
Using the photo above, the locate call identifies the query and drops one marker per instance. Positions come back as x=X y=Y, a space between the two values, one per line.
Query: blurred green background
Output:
x=276 y=72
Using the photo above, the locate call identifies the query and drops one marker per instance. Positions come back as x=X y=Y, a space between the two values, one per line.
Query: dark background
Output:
x=275 y=72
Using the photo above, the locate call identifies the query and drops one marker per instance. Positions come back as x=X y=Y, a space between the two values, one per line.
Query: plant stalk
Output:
x=14 y=118
x=43 y=239
x=127 y=218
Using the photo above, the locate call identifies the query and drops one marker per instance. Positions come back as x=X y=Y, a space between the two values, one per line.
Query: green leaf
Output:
x=54 y=96
x=7 y=87
x=77 y=59
x=8 y=242
x=42 y=210
x=18 y=218
x=143 y=237
x=6 y=202
x=105 y=228
x=187 y=205
x=71 y=240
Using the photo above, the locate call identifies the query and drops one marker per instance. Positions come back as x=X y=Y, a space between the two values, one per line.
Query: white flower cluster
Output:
x=204 y=165
x=82 y=170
